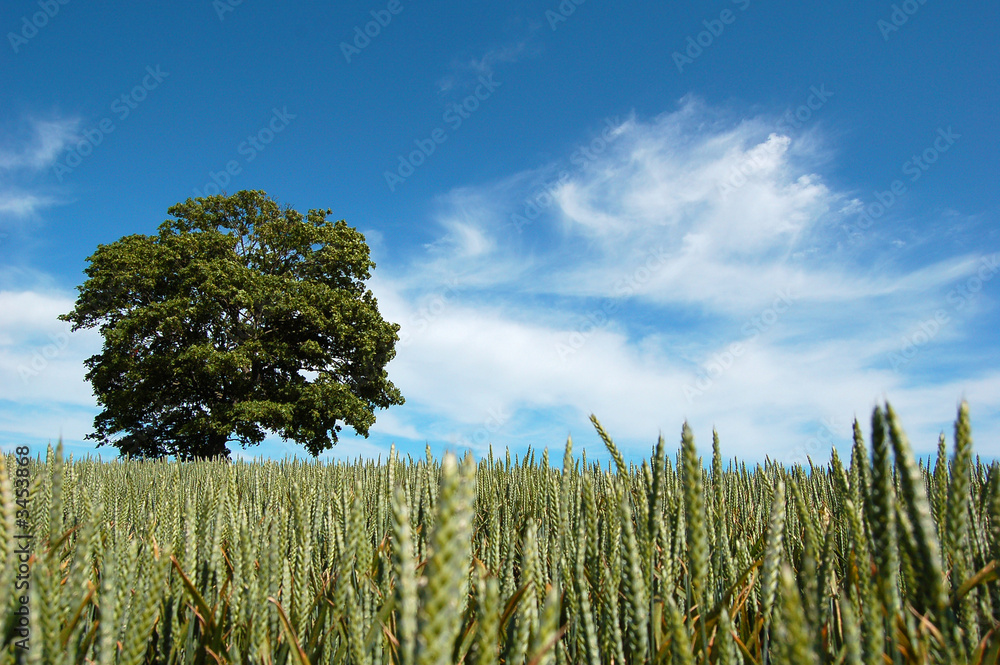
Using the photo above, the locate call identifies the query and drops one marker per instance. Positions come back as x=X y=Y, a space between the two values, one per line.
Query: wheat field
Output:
x=879 y=560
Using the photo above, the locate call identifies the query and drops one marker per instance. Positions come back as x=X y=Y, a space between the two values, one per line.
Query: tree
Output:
x=238 y=319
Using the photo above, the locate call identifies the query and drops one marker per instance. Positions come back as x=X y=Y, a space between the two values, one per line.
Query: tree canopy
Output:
x=237 y=319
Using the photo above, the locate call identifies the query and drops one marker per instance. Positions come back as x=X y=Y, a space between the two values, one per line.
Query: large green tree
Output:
x=238 y=319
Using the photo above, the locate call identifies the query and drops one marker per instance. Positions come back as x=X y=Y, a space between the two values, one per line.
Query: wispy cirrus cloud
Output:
x=37 y=147
x=20 y=204
x=649 y=293
x=33 y=148
x=467 y=71
x=625 y=295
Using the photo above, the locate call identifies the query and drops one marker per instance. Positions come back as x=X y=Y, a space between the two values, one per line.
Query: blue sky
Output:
x=759 y=217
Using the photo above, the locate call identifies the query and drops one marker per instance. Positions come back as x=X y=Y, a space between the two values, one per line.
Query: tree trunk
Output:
x=215 y=447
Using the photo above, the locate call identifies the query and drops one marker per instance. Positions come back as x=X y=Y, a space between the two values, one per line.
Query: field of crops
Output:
x=872 y=560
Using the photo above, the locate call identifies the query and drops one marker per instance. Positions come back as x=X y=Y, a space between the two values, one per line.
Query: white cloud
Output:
x=40 y=150
x=466 y=72
x=41 y=361
x=50 y=422
x=649 y=263
x=27 y=313
x=42 y=382
x=389 y=424
x=508 y=53
x=652 y=262
x=22 y=205
x=32 y=151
